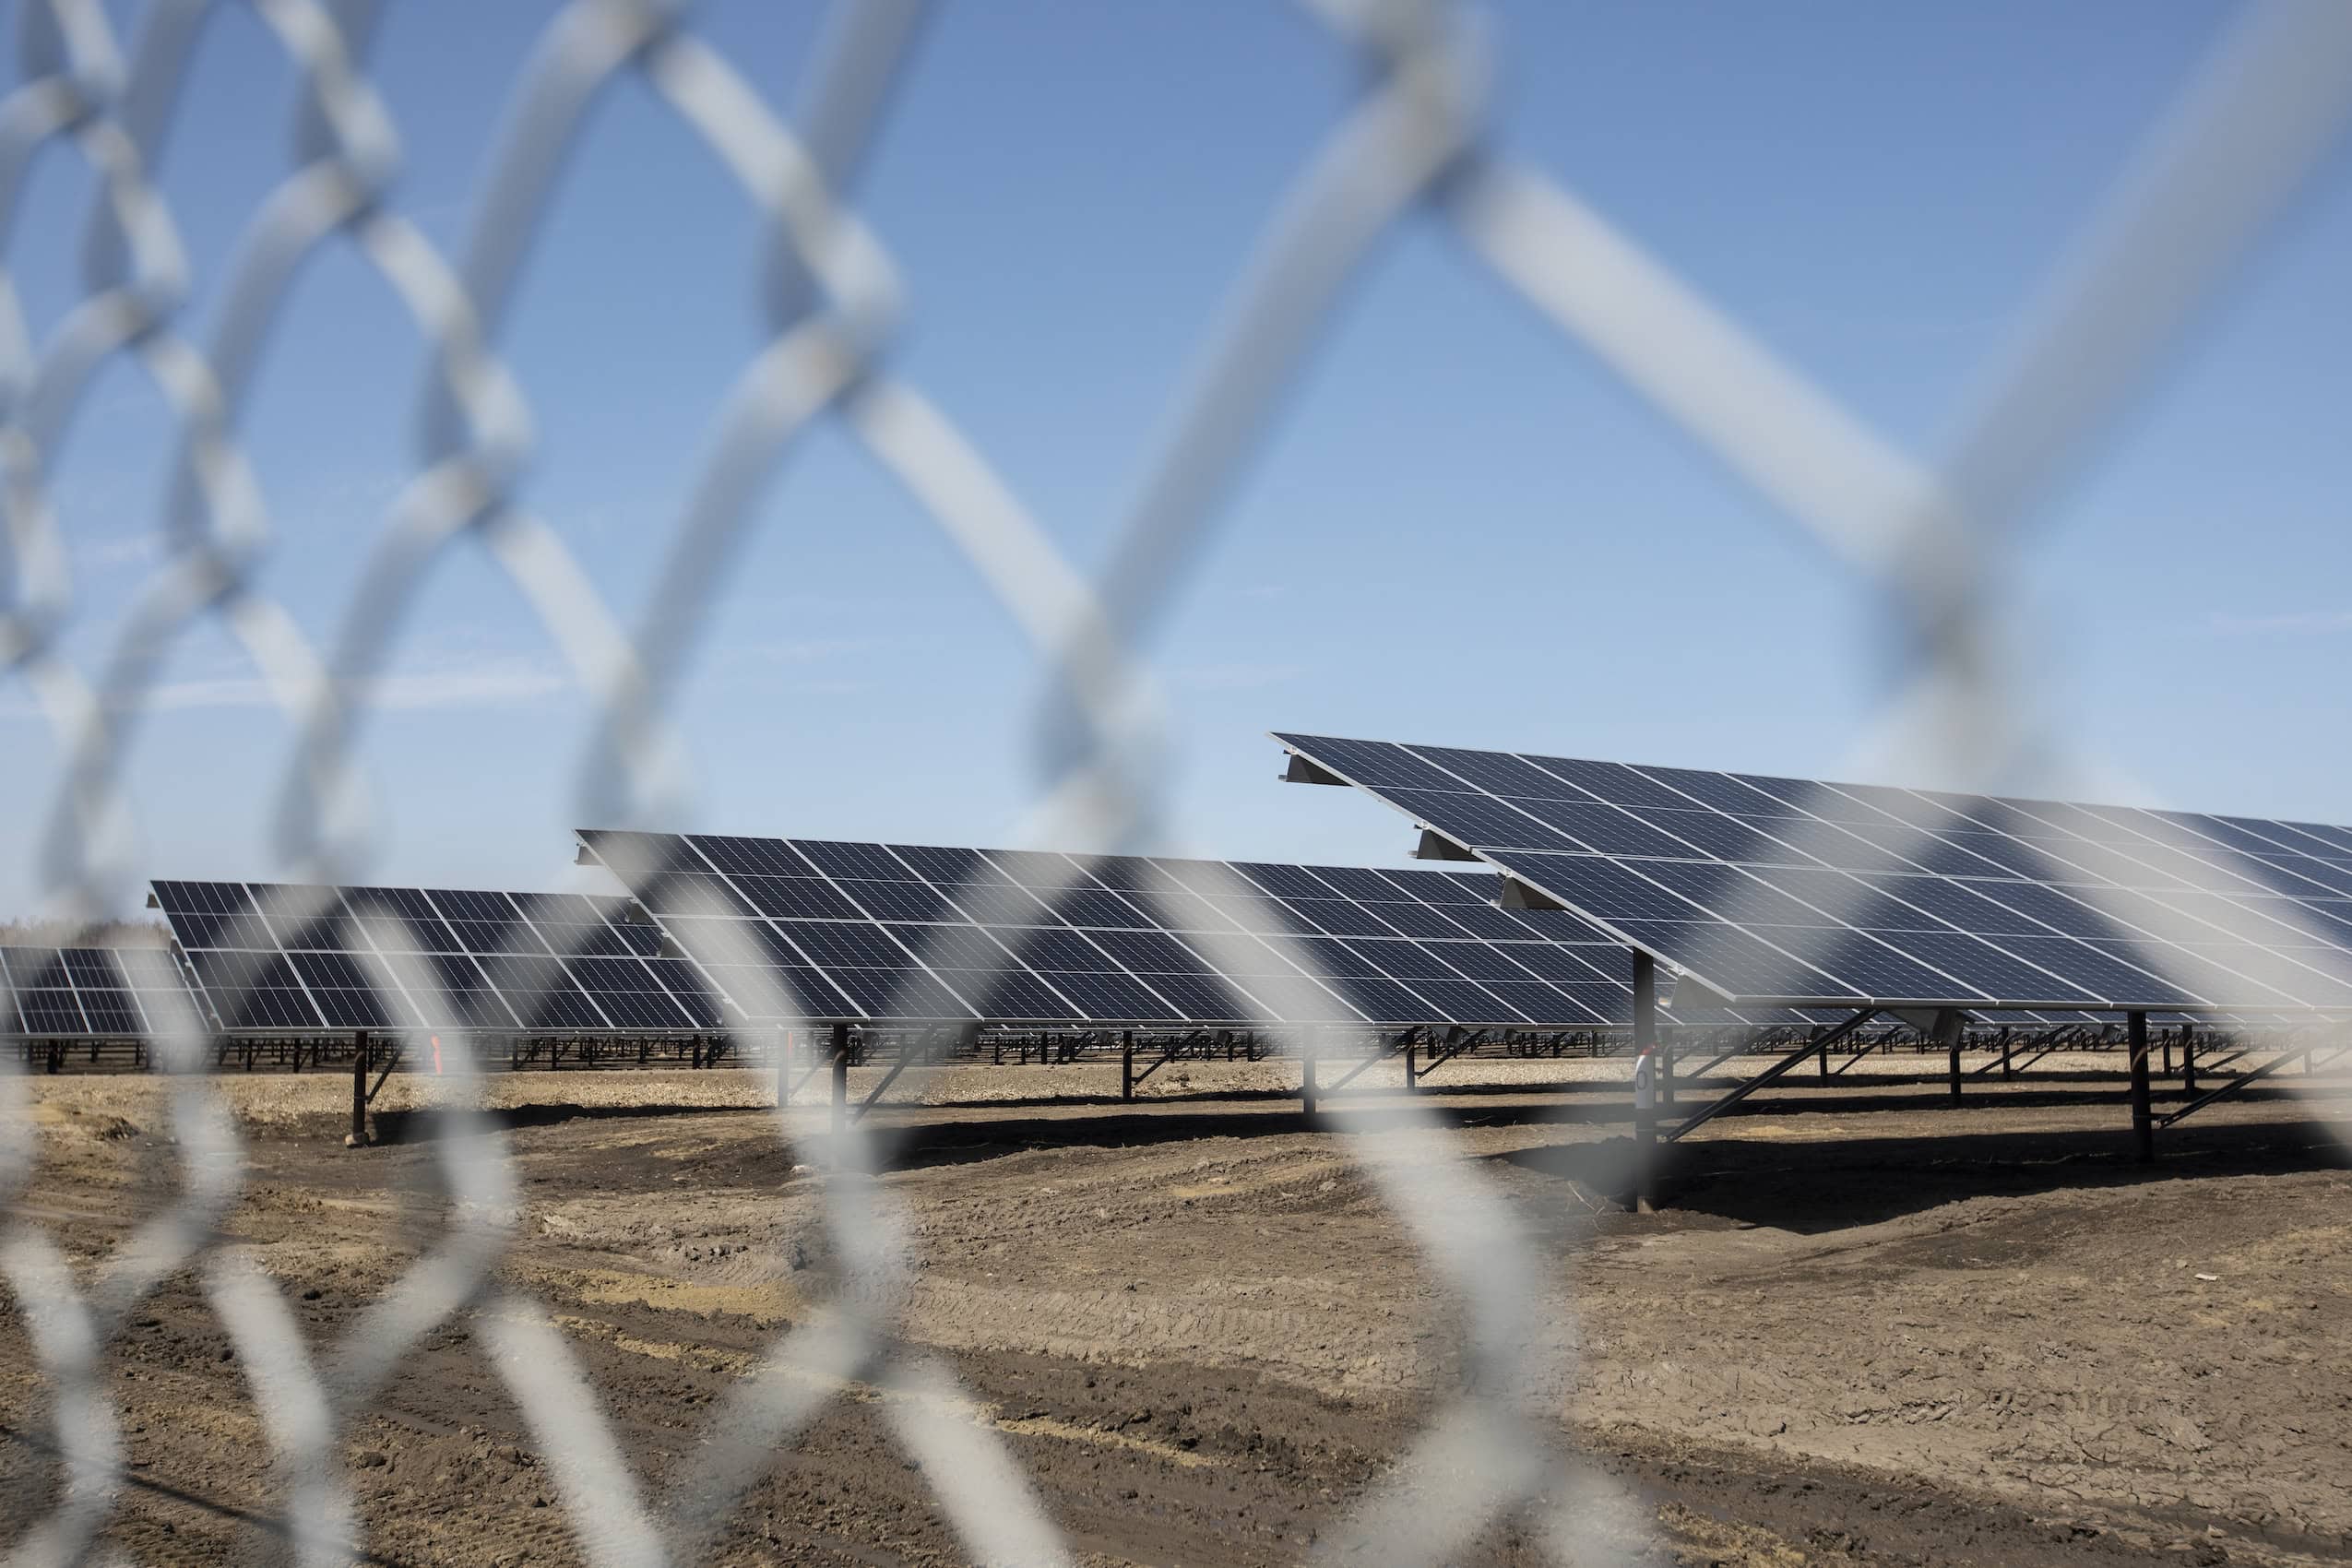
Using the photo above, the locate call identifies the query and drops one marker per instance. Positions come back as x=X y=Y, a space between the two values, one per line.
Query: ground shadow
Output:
x=916 y=1134
x=919 y=1145
x=1833 y=1184
x=423 y=1123
x=962 y=1138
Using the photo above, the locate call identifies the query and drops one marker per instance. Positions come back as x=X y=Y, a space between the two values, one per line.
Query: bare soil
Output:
x=1869 y=1327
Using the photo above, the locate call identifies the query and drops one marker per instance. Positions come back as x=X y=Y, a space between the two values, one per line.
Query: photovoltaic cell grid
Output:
x=271 y=956
x=1802 y=892
x=850 y=932
x=102 y=992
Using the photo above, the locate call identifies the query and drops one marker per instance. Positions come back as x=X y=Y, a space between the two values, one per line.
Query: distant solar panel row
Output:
x=824 y=930
x=102 y=992
x=1807 y=893
x=275 y=957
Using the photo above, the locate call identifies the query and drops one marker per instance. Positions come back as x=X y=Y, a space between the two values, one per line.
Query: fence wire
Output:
x=1414 y=148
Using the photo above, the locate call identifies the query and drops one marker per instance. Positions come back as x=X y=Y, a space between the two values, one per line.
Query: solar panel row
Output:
x=824 y=930
x=106 y=992
x=277 y=956
x=1802 y=892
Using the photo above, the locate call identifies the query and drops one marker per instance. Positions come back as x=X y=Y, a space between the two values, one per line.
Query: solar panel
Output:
x=100 y=992
x=274 y=959
x=927 y=934
x=1803 y=893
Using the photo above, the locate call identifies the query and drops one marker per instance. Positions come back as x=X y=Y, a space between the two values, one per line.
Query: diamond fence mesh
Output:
x=1415 y=147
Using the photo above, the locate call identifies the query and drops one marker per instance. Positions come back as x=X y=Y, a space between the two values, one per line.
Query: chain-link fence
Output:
x=1415 y=147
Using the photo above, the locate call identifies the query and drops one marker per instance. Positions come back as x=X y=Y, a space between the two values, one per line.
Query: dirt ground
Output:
x=1869 y=1328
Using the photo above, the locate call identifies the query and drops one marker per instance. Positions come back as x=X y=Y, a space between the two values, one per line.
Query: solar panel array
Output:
x=1810 y=893
x=98 y=993
x=847 y=932
x=273 y=957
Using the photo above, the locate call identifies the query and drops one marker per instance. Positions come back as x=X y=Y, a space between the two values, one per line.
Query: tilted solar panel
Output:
x=97 y=992
x=1807 y=893
x=825 y=931
x=276 y=958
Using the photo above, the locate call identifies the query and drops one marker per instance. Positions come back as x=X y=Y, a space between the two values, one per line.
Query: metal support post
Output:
x=2245 y=1080
x=1127 y=1065
x=1644 y=1114
x=2143 y=1118
x=1770 y=1074
x=910 y=1050
x=391 y=1059
x=359 y=1091
x=840 y=1078
x=1741 y=1047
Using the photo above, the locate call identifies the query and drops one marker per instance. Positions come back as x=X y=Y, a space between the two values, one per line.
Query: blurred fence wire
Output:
x=1414 y=148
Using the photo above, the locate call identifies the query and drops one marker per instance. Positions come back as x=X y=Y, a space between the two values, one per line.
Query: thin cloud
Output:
x=513 y=682
x=1234 y=677
x=125 y=549
x=416 y=692
x=2294 y=622
x=805 y=650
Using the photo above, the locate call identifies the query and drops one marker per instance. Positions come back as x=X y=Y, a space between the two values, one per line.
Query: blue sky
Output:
x=1462 y=529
